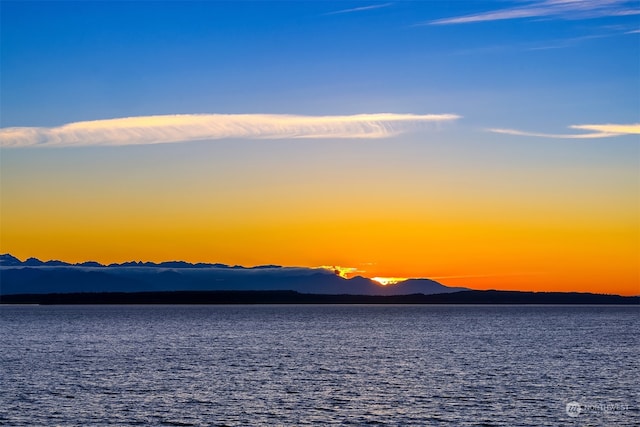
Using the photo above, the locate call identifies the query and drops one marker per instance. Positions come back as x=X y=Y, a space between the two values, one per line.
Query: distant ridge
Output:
x=34 y=276
x=292 y=297
x=8 y=260
x=178 y=282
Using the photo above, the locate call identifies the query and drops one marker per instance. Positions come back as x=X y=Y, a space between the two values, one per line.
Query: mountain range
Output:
x=178 y=282
x=34 y=276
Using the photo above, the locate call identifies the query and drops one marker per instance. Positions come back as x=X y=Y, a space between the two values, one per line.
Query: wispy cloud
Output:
x=569 y=42
x=535 y=46
x=360 y=9
x=193 y=127
x=596 y=131
x=560 y=9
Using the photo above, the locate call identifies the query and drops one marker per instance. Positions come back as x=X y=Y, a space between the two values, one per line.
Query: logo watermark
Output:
x=574 y=409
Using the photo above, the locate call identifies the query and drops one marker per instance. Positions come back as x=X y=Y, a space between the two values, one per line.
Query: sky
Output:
x=487 y=144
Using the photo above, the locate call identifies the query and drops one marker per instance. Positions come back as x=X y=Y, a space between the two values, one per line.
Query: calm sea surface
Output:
x=315 y=365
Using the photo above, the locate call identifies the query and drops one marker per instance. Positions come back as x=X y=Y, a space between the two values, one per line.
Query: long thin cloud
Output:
x=360 y=9
x=562 y=9
x=194 y=127
x=596 y=131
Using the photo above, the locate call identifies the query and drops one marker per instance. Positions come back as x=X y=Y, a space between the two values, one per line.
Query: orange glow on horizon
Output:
x=555 y=230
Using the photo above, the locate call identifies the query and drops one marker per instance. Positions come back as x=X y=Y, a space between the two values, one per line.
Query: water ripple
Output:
x=309 y=365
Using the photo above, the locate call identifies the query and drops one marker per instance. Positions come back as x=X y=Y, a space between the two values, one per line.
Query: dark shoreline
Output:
x=292 y=297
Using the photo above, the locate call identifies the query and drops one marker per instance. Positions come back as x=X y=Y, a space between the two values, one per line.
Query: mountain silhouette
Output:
x=177 y=282
x=293 y=297
x=7 y=260
x=34 y=276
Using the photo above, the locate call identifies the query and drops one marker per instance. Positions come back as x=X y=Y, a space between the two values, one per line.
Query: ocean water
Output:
x=317 y=365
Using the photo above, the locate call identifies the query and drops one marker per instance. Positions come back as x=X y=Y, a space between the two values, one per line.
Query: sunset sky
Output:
x=487 y=144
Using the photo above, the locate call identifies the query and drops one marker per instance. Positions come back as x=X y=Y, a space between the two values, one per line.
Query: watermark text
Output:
x=575 y=409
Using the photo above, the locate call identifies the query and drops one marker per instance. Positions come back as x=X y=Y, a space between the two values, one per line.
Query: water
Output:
x=314 y=365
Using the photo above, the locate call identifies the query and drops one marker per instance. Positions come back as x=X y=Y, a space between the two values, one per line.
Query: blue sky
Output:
x=67 y=62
